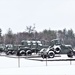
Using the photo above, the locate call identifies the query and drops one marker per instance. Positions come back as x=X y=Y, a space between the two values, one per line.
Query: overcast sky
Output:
x=46 y=14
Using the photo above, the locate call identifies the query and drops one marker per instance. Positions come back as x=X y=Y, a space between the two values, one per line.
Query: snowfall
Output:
x=23 y=66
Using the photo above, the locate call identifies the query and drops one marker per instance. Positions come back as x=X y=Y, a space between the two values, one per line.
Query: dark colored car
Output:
x=11 y=49
x=22 y=51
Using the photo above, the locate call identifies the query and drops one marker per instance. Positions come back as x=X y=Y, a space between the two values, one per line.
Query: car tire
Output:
x=51 y=54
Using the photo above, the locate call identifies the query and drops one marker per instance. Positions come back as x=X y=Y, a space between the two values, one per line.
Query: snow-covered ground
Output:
x=10 y=66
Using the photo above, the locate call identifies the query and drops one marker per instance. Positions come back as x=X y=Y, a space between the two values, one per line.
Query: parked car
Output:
x=56 y=48
x=11 y=49
x=50 y=51
x=23 y=51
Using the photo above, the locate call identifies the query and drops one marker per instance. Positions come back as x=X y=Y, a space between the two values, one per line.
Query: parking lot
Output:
x=9 y=61
x=11 y=65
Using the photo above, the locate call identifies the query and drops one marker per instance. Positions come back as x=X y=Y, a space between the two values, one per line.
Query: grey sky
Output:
x=53 y=14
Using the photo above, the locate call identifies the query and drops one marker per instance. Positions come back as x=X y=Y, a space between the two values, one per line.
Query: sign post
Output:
x=18 y=62
x=70 y=62
x=46 y=61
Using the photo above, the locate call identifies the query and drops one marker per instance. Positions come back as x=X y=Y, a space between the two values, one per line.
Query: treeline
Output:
x=66 y=36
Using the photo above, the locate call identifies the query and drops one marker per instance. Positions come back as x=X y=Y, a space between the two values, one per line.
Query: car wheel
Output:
x=51 y=54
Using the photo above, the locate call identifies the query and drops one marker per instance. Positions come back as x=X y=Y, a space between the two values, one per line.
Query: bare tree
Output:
x=1 y=38
x=9 y=38
x=0 y=32
x=31 y=31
